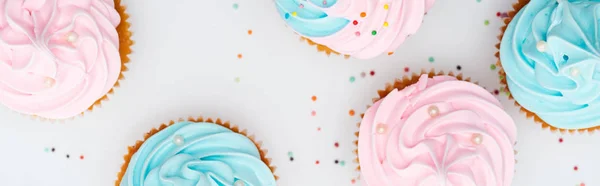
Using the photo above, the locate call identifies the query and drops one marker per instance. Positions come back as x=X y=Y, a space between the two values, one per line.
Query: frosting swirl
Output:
x=360 y=28
x=197 y=154
x=57 y=57
x=551 y=56
x=439 y=131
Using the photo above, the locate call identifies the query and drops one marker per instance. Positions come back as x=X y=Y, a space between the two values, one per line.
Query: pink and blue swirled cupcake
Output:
x=435 y=129
x=550 y=59
x=60 y=58
x=359 y=28
x=197 y=152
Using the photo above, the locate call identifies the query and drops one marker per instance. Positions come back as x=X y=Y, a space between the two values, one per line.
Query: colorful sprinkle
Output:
x=313 y=113
x=458 y=67
x=363 y=74
x=239 y=56
x=81 y=157
x=390 y=53
x=317 y=162
x=560 y=140
x=342 y=163
x=492 y=67
x=386 y=6
x=373 y=32
x=314 y=98
x=385 y=24
x=294 y=14
x=235 y=6
x=249 y=32
x=351 y=112
x=352 y=79
x=406 y=69
x=336 y=161
x=576 y=168
x=236 y=79
x=68 y=156
x=363 y=14
x=290 y=154
x=336 y=144
x=357 y=33
x=486 y=22
x=372 y=73
x=355 y=22
x=46 y=149
x=431 y=59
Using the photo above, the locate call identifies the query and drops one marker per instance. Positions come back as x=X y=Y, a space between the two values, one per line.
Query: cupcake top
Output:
x=439 y=131
x=57 y=57
x=550 y=53
x=190 y=154
x=360 y=28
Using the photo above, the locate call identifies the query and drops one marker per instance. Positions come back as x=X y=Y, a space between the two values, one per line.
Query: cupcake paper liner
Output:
x=503 y=83
x=323 y=48
x=401 y=84
x=133 y=149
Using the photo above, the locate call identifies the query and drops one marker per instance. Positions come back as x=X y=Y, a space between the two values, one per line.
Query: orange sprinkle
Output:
x=249 y=32
x=390 y=53
x=363 y=14
x=240 y=56
x=314 y=98
x=351 y=112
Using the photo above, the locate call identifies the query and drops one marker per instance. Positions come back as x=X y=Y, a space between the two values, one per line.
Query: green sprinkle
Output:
x=290 y=154
x=431 y=59
x=373 y=32
x=237 y=79
x=352 y=79
x=486 y=22
x=493 y=67
x=235 y=6
x=46 y=150
x=342 y=163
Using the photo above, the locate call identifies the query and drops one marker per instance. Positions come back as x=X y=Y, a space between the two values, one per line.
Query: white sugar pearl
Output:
x=49 y=82
x=239 y=183
x=178 y=140
x=575 y=71
x=381 y=128
x=433 y=111
x=541 y=46
x=72 y=37
x=477 y=139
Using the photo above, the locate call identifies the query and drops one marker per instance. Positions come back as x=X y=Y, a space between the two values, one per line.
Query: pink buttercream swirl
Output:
x=468 y=142
x=57 y=57
x=384 y=28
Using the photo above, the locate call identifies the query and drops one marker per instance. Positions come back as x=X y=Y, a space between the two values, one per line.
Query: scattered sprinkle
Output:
x=352 y=79
x=351 y=112
x=486 y=22
x=249 y=32
x=458 y=67
x=53 y=149
x=496 y=92
x=239 y=56
x=336 y=144
x=336 y=161
x=492 y=67
x=236 y=79
x=406 y=69
x=314 y=98
x=317 y=162
x=363 y=74
x=576 y=168
x=290 y=154
x=363 y=14
x=291 y=158
x=342 y=163
x=431 y=59
x=81 y=157
x=390 y=53
x=235 y=6
x=372 y=73
x=318 y=128
x=560 y=140
x=68 y=156
x=46 y=149
x=313 y=113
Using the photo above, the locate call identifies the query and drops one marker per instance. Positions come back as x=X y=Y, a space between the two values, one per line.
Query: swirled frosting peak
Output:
x=197 y=154
x=57 y=57
x=360 y=28
x=439 y=131
x=550 y=53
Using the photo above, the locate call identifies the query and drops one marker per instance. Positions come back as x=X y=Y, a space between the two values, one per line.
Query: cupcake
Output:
x=358 y=28
x=550 y=62
x=436 y=129
x=61 y=58
x=197 y=152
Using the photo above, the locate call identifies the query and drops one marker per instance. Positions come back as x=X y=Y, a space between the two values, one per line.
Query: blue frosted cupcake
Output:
x=196 y=152
x=550 y=59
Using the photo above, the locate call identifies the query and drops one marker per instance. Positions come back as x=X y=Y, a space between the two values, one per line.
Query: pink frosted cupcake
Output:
x=436 y=130
x=59 y=59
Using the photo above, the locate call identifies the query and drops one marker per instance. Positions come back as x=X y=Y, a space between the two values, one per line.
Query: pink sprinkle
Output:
x=325 y=2
x=313 y=113
x=357 y=33
x=301 y=5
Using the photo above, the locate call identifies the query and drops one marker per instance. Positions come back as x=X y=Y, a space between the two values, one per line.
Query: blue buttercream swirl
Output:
x=208 y=155
x=310 y=20
x=551 y=55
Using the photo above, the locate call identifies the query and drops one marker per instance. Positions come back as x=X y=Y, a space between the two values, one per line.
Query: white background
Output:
x=185 y=64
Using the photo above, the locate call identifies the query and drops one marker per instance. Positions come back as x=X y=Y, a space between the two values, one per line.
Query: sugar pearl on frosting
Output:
x=72 y=37
x=178 y=140
x=239 y=183
x=381 y=128
x=575 y=71
x=49 y=82
x=477 y=139
x=433 y=110
x=541 y=46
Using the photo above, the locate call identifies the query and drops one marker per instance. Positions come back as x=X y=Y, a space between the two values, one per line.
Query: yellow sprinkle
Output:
x=294 y=14
x=386 y=6
x=385 y=24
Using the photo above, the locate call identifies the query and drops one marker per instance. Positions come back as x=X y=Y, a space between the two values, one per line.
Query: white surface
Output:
x=185 y=64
